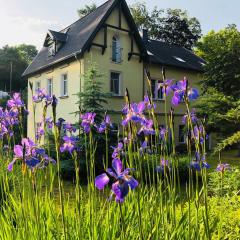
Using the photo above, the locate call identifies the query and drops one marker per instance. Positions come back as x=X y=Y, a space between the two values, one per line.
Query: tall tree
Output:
x=15 y=60
x=221 y=82
x=172 y=26
x=86 y=10
x=221 y=50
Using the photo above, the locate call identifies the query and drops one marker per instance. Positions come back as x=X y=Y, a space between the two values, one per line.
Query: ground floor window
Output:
x=64 y=85
x=157 y=92
x=50 y=87
x=115 y=83
x=181 y=134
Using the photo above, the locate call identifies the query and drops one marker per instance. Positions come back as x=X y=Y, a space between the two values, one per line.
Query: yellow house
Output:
x=109 y=37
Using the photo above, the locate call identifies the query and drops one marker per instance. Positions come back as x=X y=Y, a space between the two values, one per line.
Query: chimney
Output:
x=145 y=35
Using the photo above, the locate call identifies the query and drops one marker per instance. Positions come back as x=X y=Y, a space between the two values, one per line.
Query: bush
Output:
x=230 y=183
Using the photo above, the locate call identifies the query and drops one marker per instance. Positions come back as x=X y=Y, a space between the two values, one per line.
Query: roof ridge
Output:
x=105 y=3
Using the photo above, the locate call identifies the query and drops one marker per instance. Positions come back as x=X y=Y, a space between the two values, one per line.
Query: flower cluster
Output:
x=31 y=155
x=135 y=114
x=87 y=121
x=69 y=144
x=41 y=95
x=10 y=116
x=199 y=162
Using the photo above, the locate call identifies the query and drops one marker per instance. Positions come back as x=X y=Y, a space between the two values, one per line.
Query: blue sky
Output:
x=27 y=21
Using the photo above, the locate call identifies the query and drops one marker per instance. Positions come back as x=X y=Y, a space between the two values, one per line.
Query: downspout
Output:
x=80 y=75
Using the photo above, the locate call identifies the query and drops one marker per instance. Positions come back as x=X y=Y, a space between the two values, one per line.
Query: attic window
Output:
x=179 y=59
x=51 y=49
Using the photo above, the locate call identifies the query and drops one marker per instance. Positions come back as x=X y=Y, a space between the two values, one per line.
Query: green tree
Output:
x=221 y=51
x=219 y=112
x=92 y=98
x=86 y=10
x=172 y=26
x=17 y=58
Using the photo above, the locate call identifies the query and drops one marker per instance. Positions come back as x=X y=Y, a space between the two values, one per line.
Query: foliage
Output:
x=19 y=56
x=32 y=207
x=93 y=98
x=218 y=111
x=230 y=183
x=86 y=10
x=172 y=26
x=221 y=51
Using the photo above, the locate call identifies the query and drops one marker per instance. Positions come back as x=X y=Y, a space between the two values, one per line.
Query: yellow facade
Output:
x=132 y=77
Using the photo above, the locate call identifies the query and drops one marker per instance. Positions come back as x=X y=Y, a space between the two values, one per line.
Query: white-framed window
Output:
x=157 y=92
x=37 y=86
x=115 y=83
x=64 y=85
x=50 y=87
x=181 y=134
x=116 y=50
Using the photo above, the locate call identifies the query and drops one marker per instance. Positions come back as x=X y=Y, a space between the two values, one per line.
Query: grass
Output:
x=35 y=202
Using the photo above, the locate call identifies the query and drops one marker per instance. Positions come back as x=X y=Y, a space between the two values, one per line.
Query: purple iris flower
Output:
x=147 y=127
x=163 y=133
x=195 y=165
x=163 y=165
x=123 y=180
x=87 y=121
x=49 y=122
x=222 y=167
x=117 y=150
x=16 y=101
x=68 y=127
x=148 y=103
x=143 y=148
x=103 y=126
x=69 y=144
x=193 y=117
x=192 y=94
x=134 y=113
x=28 y=152
x=41 y=95
x=166 y=86
x=40 y=131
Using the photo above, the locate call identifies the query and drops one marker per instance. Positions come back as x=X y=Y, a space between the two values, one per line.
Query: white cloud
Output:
x=35 y=24
x=29 y=30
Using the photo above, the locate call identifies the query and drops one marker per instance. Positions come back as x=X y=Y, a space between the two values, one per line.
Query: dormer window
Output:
x=116 y=50
x=54 y=41
x=52 y=49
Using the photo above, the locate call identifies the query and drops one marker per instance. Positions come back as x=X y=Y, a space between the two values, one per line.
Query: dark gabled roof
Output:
x=173 y=55
x=80 y=35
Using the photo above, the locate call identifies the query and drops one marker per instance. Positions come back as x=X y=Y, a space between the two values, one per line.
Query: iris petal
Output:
x=18 y=150
x=101 y=181
x=33 y=162
x=117 y=166
x=10 y=165
x=175 y=100
x=132 y=182
x=120 y=190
